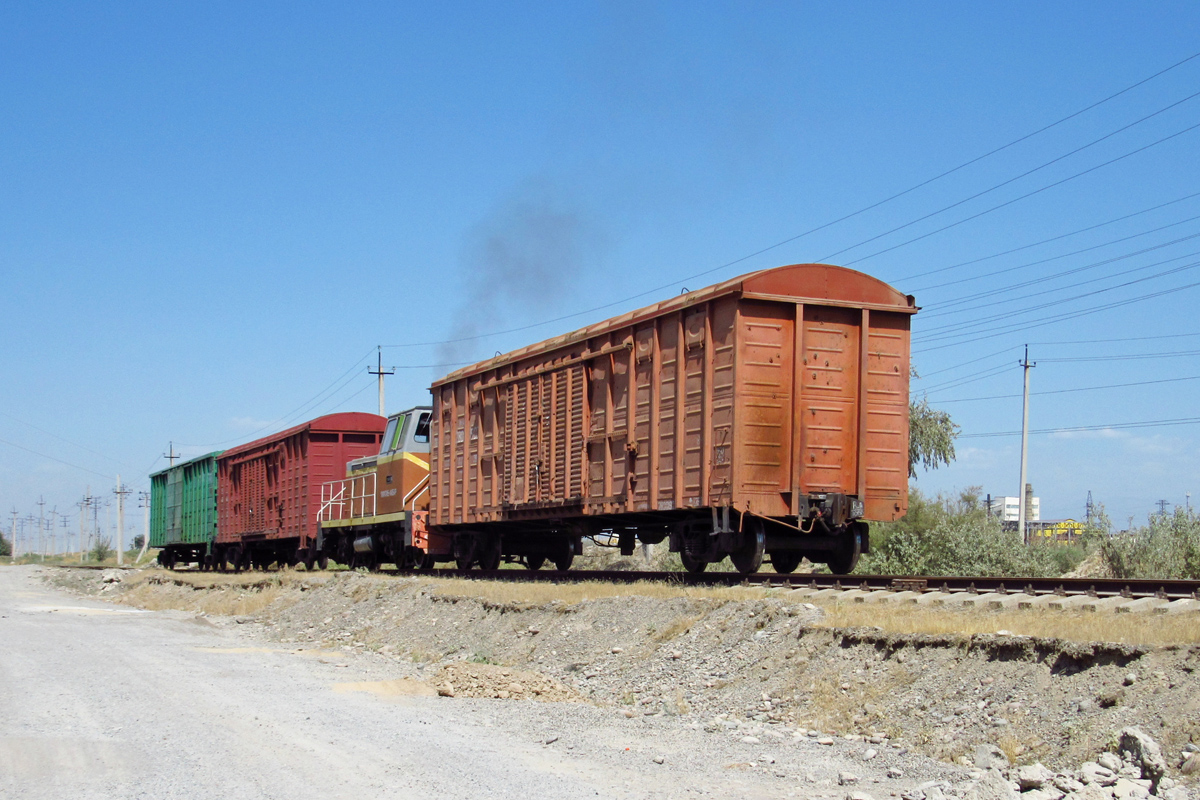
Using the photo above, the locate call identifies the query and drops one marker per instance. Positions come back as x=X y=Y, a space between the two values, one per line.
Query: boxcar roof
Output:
x=204 y=457
x=822 y=284
x=347 y=421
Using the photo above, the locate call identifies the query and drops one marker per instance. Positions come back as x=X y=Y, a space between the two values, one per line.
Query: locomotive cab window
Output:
x=422 y=432
x=389 y=436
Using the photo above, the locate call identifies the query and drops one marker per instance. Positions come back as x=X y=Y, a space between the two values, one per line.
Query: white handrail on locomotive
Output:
x=421 y=488
x=333 y=493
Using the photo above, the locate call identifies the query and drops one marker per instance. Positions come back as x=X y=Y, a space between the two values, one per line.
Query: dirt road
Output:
x=105 y=701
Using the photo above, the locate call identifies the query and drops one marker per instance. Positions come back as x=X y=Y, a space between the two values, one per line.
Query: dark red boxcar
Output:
x=269 y=491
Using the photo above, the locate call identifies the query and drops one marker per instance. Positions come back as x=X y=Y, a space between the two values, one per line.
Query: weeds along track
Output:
x=995 y=594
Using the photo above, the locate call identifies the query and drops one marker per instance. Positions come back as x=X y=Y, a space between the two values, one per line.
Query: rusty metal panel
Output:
x=713 y=398
x=886 y=435
x=762 y=457
x=828 y=404
x=271 y=488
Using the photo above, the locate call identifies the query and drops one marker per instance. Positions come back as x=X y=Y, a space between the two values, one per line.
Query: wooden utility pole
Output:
x=1021 y=520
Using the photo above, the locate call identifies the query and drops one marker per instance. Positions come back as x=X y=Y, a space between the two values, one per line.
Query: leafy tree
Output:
x=5 y=547
x=931 y=435
x=137 y=542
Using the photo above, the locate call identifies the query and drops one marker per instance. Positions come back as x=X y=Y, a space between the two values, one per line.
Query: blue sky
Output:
x=210 y=213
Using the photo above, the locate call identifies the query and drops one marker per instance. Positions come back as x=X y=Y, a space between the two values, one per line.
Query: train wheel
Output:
x=748 y=558
x=843 y=560
x=691 y=563
x=785 y=563
x=467 y=548
x=490 y=554
x=322 y=561
x=534 y=562
x=308 y=556
x=563 y=563
x=427 y=562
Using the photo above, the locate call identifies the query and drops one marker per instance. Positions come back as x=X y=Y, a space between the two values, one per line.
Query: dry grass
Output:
x=681 y=625
x=1079 y=626
x=213 y=593
x=539 y=593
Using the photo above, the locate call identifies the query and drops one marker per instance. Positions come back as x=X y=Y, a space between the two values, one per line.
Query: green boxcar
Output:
x=183 y=511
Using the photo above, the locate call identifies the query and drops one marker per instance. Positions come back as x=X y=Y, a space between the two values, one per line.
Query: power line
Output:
x=52 y=458
x=968 y=362
x=1122 y=339
x=1025 y=196
x=1014 y=179
x=821 y=227
x=1127 y=357
x=1043 y=241
x=946 y=331
x=1155 y=423
x=1072 y=390
x=1048 y=259
x=1065 y=287
x=1023 y=326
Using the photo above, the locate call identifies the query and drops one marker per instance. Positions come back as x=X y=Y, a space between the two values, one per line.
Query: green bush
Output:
x=102 y=550
x=955 y=536
x=1166 y=547
x=5 y=547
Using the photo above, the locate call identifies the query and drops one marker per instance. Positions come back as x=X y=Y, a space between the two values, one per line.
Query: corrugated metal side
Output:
x=183 y=503
x=271 y=488
x=638 y=419
x=724 y=399
x=199 y=501
x=158 y=509
x=885 y=473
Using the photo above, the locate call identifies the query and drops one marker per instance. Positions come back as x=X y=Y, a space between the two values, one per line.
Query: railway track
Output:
x=866 y=584
x=996 y=593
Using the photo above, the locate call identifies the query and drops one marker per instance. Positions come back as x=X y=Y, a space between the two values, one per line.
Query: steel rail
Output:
x=1166 y=589
x=1172 y=589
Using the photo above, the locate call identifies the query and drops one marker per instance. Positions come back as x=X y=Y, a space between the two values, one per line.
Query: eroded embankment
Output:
x=737 y=659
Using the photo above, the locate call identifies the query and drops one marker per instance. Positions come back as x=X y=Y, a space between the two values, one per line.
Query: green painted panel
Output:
x=183 y=503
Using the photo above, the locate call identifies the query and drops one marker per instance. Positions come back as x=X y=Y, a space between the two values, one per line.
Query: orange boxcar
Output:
x=766 y=414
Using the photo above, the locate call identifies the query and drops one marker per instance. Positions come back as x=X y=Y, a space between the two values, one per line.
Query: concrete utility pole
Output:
x=379 y=370
x=1024 y=449
x=82 y=513
x=66 y=535
x=41 y=525
x=53 y=520
x=120 y=493
x=144 y=497
x=13 y=543
x=170 y=455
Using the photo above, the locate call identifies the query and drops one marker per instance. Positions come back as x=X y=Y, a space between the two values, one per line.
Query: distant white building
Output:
x=1008 y=509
